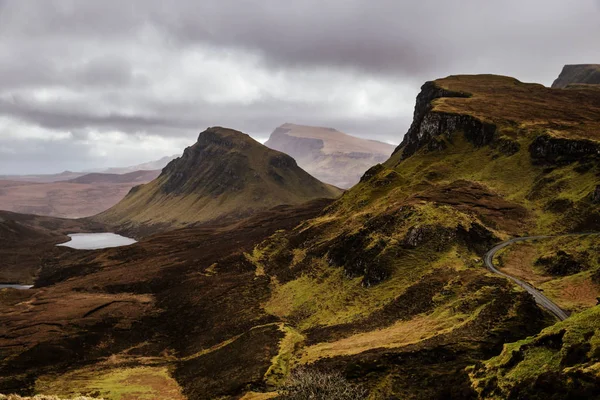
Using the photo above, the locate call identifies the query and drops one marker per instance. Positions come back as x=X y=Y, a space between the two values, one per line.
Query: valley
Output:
x=400 y=283
x=82 y=196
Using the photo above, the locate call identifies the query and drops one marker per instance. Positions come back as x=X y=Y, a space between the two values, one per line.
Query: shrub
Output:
x=304 y=384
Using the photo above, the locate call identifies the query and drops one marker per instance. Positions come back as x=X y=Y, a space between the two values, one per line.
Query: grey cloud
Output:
x=117 y=65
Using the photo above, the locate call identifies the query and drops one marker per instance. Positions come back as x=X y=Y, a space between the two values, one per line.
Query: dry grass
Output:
x=149 y=383
x=519 y=261
x=44 y=397
x=499 y=99
x=400 y=334
x=259 y=396
x=574 y=292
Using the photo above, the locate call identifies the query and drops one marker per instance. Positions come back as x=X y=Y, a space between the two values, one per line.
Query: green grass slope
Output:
x=385 y=285
x=392 y=270
x=225 y=175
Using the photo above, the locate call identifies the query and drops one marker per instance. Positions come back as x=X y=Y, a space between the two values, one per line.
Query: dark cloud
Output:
x=150 y=69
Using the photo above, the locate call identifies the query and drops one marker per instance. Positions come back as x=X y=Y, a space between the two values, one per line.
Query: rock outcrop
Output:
x=588 y=74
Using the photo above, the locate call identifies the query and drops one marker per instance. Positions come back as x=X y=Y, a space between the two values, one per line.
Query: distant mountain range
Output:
x=77 y=197
x=74 y=194
x=68 y=175
x=328 y=154
x=225 y=175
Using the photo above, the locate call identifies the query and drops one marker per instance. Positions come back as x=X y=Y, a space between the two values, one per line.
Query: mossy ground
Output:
x=567 y=353
x=386 y=284
x=118 y=383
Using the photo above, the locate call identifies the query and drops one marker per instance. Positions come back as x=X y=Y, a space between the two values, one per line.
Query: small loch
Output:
x=95 y=241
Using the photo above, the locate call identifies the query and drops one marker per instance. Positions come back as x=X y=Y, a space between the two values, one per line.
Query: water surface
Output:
x=21 y=287
x=93 y=241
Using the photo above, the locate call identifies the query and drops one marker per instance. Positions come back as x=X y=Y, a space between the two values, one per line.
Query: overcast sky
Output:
x=87 y=84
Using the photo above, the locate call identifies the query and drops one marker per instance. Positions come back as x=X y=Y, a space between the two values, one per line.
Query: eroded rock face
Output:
x=428 y=125
x=578 y=74
x=546 y=149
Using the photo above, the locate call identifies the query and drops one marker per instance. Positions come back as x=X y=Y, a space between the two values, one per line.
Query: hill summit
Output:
x=225 y=175
x=330 y=155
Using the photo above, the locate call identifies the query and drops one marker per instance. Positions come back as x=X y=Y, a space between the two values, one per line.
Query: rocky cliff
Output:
x=225 y=175
x=328 y=154
x=587 y=74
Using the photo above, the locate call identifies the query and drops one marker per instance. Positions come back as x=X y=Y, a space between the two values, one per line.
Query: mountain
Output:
x=588 y=74
x=225 y=175
x=386 y=285
x=329 y=155
x=82 y=196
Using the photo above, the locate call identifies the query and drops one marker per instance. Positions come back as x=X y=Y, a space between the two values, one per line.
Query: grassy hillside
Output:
x=394 y=266
x=225 y=175
x=386 y=285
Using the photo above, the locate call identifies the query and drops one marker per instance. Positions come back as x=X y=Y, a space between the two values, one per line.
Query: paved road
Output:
x=537 y=295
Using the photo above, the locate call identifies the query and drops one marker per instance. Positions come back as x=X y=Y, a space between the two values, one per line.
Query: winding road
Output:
x=537 y=295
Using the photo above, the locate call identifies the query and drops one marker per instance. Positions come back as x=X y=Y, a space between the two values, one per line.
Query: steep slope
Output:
x=389 y=283
x=386 y=284
x=587 y=74
x=329 y=155
x=225 y=175
x=82 y=196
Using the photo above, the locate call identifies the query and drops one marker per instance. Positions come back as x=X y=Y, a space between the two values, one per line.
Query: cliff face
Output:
x=328 y=154
x=587 y=74
x=225 y=175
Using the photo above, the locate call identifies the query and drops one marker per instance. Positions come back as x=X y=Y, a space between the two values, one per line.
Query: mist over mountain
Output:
x=327 y=154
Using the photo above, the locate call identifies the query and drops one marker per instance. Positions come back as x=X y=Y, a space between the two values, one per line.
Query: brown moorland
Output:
x=385 y=285
x=82 y=196
x=28 y=240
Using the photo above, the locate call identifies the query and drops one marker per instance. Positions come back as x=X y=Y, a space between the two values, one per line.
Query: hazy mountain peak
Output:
x=330 y=155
